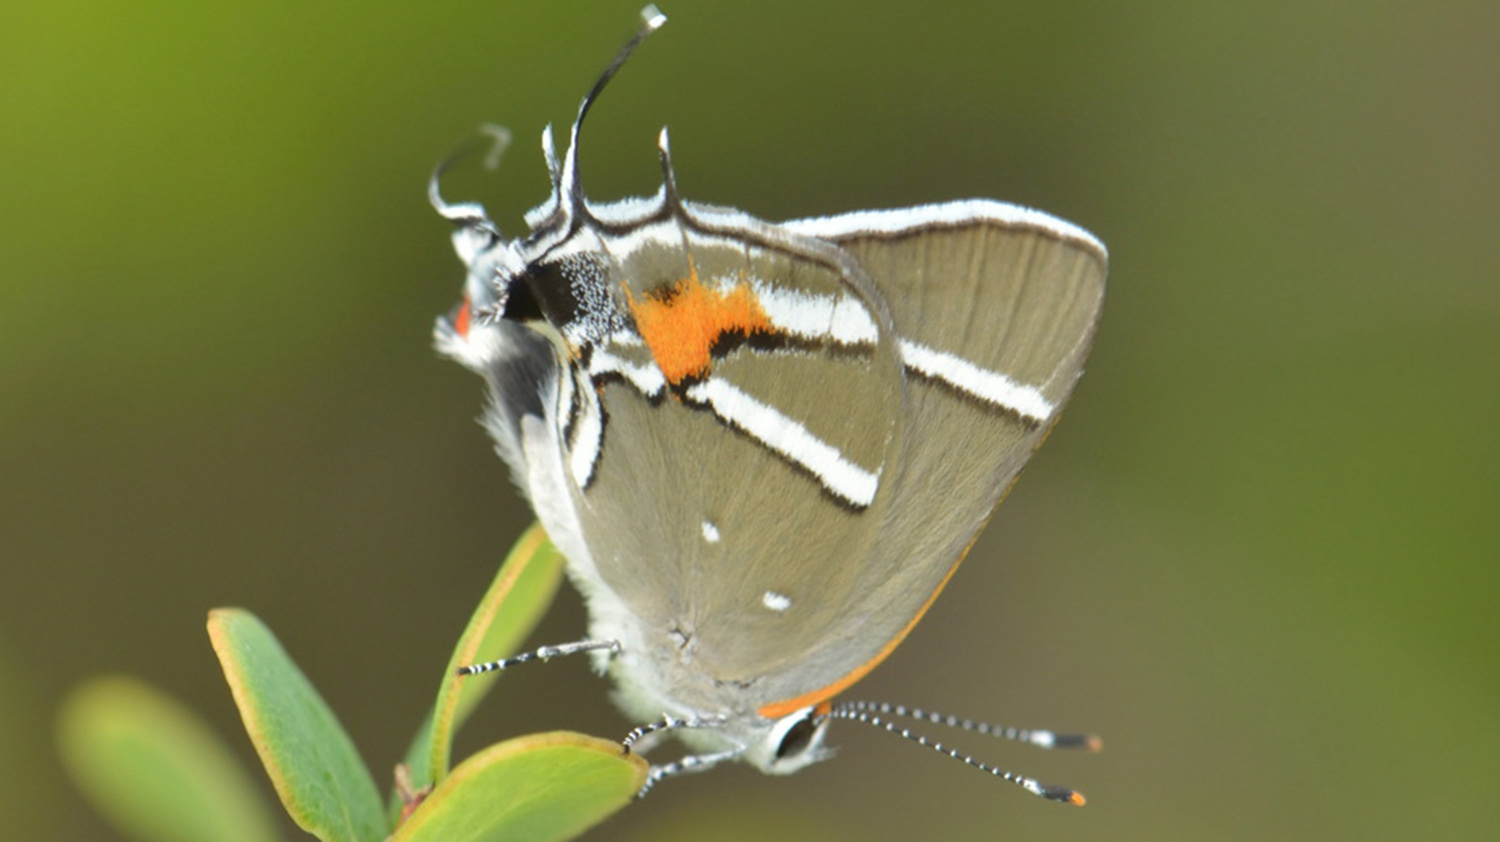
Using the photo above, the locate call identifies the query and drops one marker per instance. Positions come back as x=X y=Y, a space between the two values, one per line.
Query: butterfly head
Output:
x=792 y=742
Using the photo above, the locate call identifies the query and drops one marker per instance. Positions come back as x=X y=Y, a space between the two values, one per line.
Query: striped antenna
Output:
x=875 y=713
x=1036 y=737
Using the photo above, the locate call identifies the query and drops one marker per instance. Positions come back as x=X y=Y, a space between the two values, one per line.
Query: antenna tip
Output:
x=1060 y=794
x=652 y=18
x=1086 y=742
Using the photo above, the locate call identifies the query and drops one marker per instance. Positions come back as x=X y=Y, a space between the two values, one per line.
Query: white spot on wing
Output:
x=776 y=602
x=710 y=532
x=981 y=383
x=788 y=438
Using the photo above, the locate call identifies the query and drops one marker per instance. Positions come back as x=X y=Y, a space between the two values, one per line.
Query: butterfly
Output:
x=764 y=448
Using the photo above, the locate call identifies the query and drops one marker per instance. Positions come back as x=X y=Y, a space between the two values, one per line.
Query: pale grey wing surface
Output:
x=975 y=289
x=732 y=555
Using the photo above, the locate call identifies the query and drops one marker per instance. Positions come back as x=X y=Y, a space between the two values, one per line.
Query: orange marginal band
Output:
x=682 y=326
x=776 y=710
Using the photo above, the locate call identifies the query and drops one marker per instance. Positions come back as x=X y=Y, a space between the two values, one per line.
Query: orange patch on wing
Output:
x=682 y=325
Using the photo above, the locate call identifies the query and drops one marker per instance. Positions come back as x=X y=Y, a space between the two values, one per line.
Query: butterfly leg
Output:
x=645 y=736
x=545 y=653
x=691 y=763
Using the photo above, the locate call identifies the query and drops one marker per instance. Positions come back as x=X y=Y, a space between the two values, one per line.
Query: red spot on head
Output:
x=681 y=325
x=461 y=318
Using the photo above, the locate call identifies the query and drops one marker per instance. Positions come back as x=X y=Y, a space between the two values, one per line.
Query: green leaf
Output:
x=517 y=599
x=530 y=789
x=154 y=769
x=311 y=761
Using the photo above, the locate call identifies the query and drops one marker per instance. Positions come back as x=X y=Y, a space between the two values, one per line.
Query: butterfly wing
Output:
x=763 y=501
x=994 y=307
x=730 y=442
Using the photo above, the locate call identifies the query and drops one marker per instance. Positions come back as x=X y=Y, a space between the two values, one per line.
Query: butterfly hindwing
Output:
x=994 y=309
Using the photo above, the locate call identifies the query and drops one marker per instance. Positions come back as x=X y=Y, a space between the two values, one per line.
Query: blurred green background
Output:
x=1257 y=557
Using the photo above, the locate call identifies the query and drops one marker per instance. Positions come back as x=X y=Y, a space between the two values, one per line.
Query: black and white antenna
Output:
x=879 y=715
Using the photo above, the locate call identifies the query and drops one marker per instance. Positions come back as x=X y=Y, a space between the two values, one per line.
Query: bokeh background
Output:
x=1258 y=556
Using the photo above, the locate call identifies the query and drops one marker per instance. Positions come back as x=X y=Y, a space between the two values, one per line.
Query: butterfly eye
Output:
x=798 y=737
